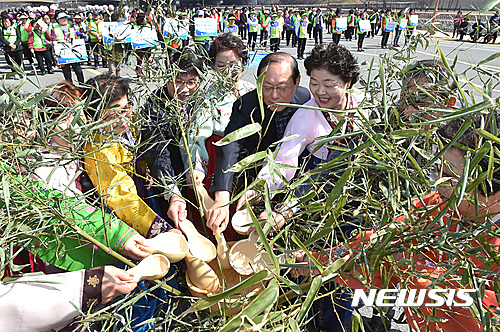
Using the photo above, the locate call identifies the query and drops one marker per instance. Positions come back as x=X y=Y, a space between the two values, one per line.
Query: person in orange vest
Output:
x=336 y=33
x=386 y=31
x=264 y=22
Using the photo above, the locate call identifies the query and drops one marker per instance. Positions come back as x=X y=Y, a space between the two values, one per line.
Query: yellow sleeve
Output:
x=116 y=188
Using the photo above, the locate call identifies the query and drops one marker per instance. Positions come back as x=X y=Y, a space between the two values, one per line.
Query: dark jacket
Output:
x=246 y=111
x=159 y=144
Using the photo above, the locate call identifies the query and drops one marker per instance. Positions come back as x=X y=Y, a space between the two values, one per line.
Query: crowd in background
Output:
x=28 y=35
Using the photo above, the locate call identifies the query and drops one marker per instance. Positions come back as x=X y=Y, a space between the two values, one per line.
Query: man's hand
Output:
x=248 y=195
x=218 y=214
x=116 y=282
x=177 y=210
x=12 y=47
x=134 y=247
x=300 y=257
x=279 y=221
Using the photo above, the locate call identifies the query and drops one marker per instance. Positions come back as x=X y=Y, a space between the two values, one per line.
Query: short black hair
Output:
x=106 y=88
x=470 y=138
x=279 y=57
x=336 y=59
x=187 y=62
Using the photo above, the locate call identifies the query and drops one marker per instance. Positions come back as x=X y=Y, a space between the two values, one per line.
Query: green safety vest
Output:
x=274 y=29
x=303 y=28
x=24 y=34
x=60 y=34
x=253 y=28
x=352 y=18
x=12 y=36
x=93 y=27
x=374 y=18
x=38 y=40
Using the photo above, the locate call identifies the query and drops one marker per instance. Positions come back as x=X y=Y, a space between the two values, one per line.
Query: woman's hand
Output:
x=134 y=247
x=115 y=282
x=279 y=221
x=177 y=210
x=248 y=195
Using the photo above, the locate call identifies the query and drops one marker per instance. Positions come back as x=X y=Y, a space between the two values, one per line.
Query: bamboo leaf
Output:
x=207 y=302
x=311 y=295
x=262 y=302
x=240 y=133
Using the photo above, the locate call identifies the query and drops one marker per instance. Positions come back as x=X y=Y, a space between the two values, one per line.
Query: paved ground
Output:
x=468 y=54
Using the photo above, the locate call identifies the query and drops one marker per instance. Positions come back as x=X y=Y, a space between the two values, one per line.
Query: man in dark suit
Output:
x=280 y=85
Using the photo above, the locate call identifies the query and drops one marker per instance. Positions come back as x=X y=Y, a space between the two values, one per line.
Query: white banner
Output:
x=403 y=24
x=205 y=27
x=341 y=23
x=70 y=52
x=389 y=26
x=143 y=38
x=364 y=26
x=413 y=19
x=115 y=32
x=175 y=29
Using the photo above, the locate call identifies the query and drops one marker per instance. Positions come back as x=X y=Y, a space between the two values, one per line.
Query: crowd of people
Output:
x=144 y=171
x=30 y=33
x=463 y=26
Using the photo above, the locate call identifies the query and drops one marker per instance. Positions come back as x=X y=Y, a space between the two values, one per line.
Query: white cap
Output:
x=201 y=12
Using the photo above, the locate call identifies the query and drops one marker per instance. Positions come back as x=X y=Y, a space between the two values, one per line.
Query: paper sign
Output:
x=205 y=27
x=70 y=52
x=413 y=20
x=175 y=29
x=115 y=32
x=364 y=25
x=389 y=26
x=341 y=23
x=143 y=38
x=403 y=24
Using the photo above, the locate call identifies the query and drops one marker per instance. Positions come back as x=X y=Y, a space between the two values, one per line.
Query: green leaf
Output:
x=491 y=57
x=311 y=295
x=489 y=5
x=295 y=288
x=462 y=129
x=405 y=133
x=338 y=188
x=211 y=300
x=245 y=162
x=240 y=133
x=262 y=302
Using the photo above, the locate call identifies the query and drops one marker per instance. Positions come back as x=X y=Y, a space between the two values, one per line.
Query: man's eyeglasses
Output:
x=279 y=89
x=189 y=84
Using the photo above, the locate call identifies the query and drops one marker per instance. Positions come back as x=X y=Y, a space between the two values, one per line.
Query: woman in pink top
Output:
x=333 y=70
